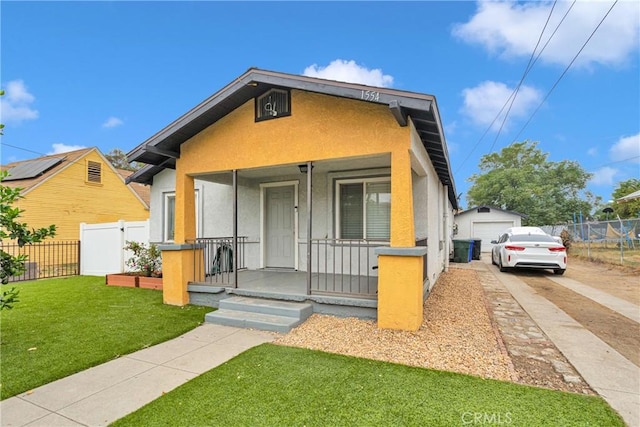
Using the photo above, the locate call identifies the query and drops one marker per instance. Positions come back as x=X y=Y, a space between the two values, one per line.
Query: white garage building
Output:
x=485 y=223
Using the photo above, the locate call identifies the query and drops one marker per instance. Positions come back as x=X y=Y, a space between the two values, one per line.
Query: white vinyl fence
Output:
x=102 y=245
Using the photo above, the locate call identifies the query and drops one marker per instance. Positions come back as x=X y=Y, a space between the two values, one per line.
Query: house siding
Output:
x=66 y=200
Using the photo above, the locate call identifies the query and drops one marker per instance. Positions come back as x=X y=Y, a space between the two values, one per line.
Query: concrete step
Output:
x=257 y=313
x=267 y=306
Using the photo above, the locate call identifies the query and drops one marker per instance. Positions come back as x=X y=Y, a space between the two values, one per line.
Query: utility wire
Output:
x=526 y=71
x=619 y=161
x=566 y=69
x=513 y=93
x=24 y=149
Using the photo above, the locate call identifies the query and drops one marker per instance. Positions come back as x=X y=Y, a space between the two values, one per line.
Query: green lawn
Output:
x=64 y=325
x=272 y=385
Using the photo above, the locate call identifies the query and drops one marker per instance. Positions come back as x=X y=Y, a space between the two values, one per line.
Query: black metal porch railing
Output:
x=217 y=259
x=344 y=267
x=46 y=259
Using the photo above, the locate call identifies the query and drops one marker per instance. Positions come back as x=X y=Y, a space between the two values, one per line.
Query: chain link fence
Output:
x=615 y=241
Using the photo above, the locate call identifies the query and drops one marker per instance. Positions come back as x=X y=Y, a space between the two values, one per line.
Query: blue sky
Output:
x=111 y=74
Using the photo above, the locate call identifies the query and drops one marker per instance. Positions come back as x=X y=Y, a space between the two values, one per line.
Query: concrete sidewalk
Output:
x=606 y=371
x=105 y=393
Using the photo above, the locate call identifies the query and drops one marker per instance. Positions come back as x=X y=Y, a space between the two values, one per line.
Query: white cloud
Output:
x=349 y=71
x=593 y=151
x=63 y=148
x=483 y=103
x=627 y=148
x=511 y=29
x=15 y=104
x=603 y=176
x=112 y=122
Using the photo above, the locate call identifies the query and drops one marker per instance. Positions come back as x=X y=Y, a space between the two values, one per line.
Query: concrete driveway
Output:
x=608 y=372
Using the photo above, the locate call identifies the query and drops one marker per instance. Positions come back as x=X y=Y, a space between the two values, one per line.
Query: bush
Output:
x=146 y=261
x=566 y=239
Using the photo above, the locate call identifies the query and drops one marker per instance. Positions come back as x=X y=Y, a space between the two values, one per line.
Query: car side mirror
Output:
x=494 y=242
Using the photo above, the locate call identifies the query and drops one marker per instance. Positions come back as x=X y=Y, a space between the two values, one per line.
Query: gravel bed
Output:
x=456 y=334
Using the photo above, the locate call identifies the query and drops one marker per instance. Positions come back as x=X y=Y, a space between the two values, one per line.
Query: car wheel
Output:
x=493 y=261
x=502 y=267
x=559 y=271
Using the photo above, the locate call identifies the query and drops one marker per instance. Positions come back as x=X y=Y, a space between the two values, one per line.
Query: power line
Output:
x=23 y=149
x=565 y=70
x=529 y=67
x=619 y=161
x=527 y=70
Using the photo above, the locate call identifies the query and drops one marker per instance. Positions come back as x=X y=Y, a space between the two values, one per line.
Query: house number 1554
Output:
x=370 y=95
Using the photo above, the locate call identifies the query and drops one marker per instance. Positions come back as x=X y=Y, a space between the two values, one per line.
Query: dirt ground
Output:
x=622 y=282
x=618 y=331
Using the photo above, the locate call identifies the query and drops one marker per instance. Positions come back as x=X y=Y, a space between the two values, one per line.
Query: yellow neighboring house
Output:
x=70 y=188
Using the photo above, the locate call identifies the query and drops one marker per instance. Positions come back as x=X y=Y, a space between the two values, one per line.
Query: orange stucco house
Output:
x=308 y=189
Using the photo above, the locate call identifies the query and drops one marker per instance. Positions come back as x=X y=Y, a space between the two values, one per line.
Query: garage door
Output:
x=488 y=231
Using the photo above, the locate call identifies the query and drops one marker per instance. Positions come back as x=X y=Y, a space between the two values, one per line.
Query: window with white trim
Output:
x=169 y=216
x=363 y=208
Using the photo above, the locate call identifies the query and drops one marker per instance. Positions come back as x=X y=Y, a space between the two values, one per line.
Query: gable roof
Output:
x=491 y=208
x=59 y=162
x=30 y=183
x=162 y=149
x=142 y=190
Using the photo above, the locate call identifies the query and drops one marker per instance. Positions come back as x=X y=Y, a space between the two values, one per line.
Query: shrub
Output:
x=146 y=260
x=566 y=239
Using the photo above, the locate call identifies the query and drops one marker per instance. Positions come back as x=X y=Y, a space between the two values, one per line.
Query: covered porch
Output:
x=310 y=232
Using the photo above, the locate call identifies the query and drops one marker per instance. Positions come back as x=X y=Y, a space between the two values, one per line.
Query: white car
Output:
x=528 y=247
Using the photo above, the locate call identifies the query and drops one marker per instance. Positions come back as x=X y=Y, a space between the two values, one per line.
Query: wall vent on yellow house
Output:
x=94 y=172
x=273 y=104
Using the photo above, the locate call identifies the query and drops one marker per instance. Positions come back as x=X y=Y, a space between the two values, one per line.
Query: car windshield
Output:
x=531 y=238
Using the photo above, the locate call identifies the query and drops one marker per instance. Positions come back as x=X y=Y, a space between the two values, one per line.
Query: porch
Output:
x=343 y=279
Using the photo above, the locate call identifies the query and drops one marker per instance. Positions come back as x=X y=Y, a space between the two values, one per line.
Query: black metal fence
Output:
x=46 y=259
x=217 y=259
x=344 y=267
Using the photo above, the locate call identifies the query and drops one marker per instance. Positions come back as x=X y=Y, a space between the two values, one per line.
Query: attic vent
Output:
x=273 y=104
x=94 y=172
x=484 y=209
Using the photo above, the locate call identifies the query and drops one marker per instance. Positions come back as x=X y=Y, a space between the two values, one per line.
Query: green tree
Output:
x=118 y=159
x=11 y=228
x=630 y=208
x=520 y=178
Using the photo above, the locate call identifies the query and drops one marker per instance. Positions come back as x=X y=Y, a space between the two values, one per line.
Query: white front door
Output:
x=280 y=227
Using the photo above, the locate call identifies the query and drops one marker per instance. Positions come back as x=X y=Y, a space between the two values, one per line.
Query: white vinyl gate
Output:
x=102 y=245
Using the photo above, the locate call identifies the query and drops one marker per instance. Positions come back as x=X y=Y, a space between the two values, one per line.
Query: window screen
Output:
x=365 y=209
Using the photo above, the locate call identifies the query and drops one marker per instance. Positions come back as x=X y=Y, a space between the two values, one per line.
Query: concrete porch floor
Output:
x=293 y=282
x=290 y=285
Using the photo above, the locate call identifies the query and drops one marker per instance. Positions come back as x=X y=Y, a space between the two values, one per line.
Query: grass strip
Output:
x=273 y=385
x=65 y=325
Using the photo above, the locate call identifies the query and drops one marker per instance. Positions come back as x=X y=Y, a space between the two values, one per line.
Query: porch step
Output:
x=258 y=313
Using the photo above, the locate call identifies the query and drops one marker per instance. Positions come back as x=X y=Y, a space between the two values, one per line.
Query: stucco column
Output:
x=185 y=209
x=402 y=223
x=400 y=303
x=178 y=258
x=400 y=285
